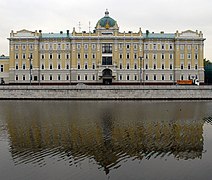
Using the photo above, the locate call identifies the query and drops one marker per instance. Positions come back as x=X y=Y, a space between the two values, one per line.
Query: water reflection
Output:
x=107 y=132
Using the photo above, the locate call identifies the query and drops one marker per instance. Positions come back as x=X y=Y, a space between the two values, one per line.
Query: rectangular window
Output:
x=42 y=66
x=163 y=77
x=24 y=77
x=42 y=77
x=86 y=46
x=154 y=46
x=181 y=56
x=16 y=66
x=128 y=77
x=58 y=66
x=86 y=77
x=189 y=66
x=23 y=56
x=171 y=66
x=189 y=56
x=2 y=68
x=128 y=66
x=31 y=46
x=162 y=66
x=135 y=66
x=93 y=46
x=196 y=66
x=128 y=46
x=78 y=46
x=58 y=56
x=78 y=66
x=106 y=60
x=58 y=77
x=24 y=66
x=181 y=67
x=50 y=56
x=135 y=56
x=120 y=77
x=155 y=66
x=93 y=77
x=78 y=77
x=93 y=56
x=196 y=56
x=162 y=56
x=181 y=47
x=120 y=46
x=93 y=66
x=120 y=66
x=154 y=56
x=16 y=56
x=106 y=48
x=86 y=66
x=135 y=78
x=67 y=77
x=171 y=77
x=146 y=66
x=147 y=77
x=42 y=56
x=135 y=46
x=78 y=55
x=162 y=46
x=171 y=46
x=146 y=46
x=189 y=47
x=170 y=56
x=16 y=47
x=155 y=77
x=120 y=56
x=50 y=77
x=23 y=47
x=67 y=56
x=16 y=77
x=50 y=66
x=86 y=56
x=128 y=55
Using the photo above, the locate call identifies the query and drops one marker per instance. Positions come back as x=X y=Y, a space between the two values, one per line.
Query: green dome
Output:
x=106 y=21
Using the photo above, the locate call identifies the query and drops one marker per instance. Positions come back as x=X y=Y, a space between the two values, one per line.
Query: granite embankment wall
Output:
x=89 y=92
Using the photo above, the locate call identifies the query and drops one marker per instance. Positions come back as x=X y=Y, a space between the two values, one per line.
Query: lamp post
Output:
x=140 y=67
x=30 y=67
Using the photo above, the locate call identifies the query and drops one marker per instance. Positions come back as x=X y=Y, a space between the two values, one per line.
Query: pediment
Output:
x=189 y=34
x=24 y=33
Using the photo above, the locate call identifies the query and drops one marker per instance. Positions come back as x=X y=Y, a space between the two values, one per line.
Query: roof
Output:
x=159 y=35
x=55 y=35
x=106 y=21
x=4 y=57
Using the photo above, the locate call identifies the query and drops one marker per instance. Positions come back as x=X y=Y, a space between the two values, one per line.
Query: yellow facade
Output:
x=106 y=56
x=4 y=69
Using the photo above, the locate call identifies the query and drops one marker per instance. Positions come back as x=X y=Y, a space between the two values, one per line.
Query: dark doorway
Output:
x=107 y=76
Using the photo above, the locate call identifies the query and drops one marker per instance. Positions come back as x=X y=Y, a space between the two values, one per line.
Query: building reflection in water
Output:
x=107 y=132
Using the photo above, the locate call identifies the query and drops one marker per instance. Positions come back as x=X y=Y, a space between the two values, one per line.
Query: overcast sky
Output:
x=60 y=15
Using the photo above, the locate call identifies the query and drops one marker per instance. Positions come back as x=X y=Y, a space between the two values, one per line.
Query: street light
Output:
x=140 y=67
x=30 y=67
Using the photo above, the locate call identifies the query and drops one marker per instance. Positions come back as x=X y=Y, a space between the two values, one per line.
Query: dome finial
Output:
x=106 y=13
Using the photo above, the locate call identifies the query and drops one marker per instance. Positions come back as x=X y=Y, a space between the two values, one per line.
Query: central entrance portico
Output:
x=107 y=76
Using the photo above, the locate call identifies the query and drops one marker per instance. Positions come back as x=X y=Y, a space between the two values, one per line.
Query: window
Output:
x=78 y=46
x=58 y=56
x=162 y=66
x=16 y=66
x=181 y=67
x=16 y=77
x=67 y=56
x=120 y=56
x=16 y=56
x=86 y=77
x=135 y=46
x=23 y=47
x=181 y=47
x=196 y=47
x=128 y=46
x=120 y=66
x=128 y=56
x=170 y=66
x=78 y=55
x=154 y=66
x=196 y=56
x=67 y=46
x=106 y=60
x=24 y=77
x=78 y=77
x=146 y=56
x=154 y=56
x=67 y=66
x=146 y=46
x=120 y=77
x=147 y=77
x=170 y=56
x=50 y=77
x=50 y=56
x=196 y=66
x=86 y=46
x=120 y=46
x=135 y=77
x=106 y=48
x=154 y=46
x=146 y=66
x=23 y=56
x=189 y=47
x=42 y=77
x=93 y=66
x=58 y=77
x=93 y=77
x=162 y=56
x=181 y=77
x=162 y=46
x=78 y=66
x=86 y=56
x=163 y=77
x=31 y=46
x=50 y=66
x=24 y=66
x=58 y=66
x=59 y=46
x=16 y=47
x=42 y=56
x=171 y=77
x=93 y=46
x=181 y=56
x=135 y=66
x=2 y=68
x=189 y=56
x=86 y=66
x=42 y=66
x=93 y=56
x=128 y=66
x=171 y=46
x=135 y=56
x=155 y=77
x=128 y=77
x=189 y=66
x=67 y=77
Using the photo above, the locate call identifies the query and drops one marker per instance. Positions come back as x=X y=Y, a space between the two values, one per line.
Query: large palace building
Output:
x=104 y=56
